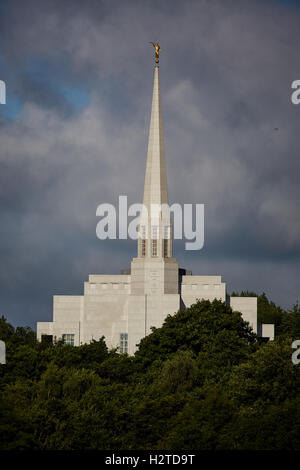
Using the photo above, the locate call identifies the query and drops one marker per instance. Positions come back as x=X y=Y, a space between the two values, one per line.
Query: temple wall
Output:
x=67 y=314
x=105 y=315
x=58 y=329
x=202 y=287
x=248 y=308
x=67 y=307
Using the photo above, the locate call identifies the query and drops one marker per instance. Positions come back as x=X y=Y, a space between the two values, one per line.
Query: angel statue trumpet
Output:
x=157 y=51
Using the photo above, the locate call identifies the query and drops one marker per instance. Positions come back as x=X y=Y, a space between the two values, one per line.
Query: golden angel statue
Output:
x=157 y=51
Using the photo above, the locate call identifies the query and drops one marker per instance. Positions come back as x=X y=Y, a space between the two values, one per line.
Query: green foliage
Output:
x=268 y=377
x=202 y=381
x=201 y=424
x=267 y=311
x=271 y=427
x=197 y=328
x=290 y=324
x=6 y=329
x=20 y=335
x=178 y=373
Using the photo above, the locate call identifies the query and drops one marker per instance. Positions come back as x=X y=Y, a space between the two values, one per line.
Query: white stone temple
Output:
x=124 y=307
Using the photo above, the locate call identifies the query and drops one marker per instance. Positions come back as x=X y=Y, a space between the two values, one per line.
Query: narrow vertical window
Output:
x=166 y=241
x=143 y=241
x=166 y=246
x=124 y=343
x=154 y=240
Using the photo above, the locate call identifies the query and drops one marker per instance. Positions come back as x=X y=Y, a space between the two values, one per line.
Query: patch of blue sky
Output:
x=41 y=70
x=13 y=106
x=77 y=97
x=55 y=76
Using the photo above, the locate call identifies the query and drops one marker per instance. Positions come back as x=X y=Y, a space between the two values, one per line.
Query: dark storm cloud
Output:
x=82 y=73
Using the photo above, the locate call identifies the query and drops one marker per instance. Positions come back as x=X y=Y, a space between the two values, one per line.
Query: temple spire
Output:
x=154 y=272
x=155 y=226
x=155 y=189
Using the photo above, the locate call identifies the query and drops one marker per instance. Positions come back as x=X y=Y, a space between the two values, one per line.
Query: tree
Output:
x=201 y=381
x=269 y=376
x=201 y=424
x=202 y=326
x=6 y=329
x=290 y=324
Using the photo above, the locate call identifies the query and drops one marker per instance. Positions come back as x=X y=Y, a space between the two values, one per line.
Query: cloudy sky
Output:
x=73 y=134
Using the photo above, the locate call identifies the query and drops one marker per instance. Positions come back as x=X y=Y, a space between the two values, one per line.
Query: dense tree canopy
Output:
x=201 y=381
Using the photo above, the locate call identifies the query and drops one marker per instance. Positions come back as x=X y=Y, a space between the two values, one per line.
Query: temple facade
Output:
x=124 y=307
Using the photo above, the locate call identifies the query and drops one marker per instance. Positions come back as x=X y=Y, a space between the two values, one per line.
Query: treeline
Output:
x=202 y=381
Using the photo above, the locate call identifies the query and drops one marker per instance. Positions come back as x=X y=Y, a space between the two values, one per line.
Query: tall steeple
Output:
x=155 y=189
x=155 y=272
x=155 y=226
